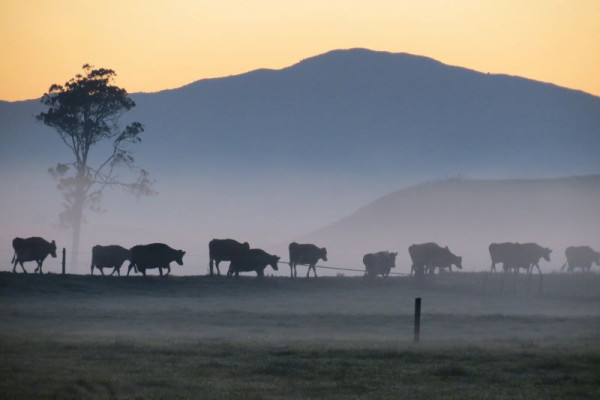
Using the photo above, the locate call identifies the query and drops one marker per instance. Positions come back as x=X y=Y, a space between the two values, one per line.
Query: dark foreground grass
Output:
x=126 y=370
x=483 y=337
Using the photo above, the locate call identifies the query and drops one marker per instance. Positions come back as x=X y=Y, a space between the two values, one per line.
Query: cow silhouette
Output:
x=32 y=249
x=223 y=250
x=308 y=254
x=581 y=257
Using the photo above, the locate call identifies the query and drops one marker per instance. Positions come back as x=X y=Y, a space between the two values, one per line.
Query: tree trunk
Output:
x=76 y=226
x=76 y=221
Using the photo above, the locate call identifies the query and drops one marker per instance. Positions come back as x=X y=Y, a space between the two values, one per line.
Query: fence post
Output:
x=64 y=256
x=417 y=319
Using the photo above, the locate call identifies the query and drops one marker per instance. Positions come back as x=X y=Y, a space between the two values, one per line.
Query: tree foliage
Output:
x=85 y=111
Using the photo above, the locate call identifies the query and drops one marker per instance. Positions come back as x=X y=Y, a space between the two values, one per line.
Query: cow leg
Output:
x=22 y=267
x=113 y=272
x=15 y=266
x=260 y=273
x=493 y=269
x=291 y=269
x=101 y=270
x=218 y=270
x=168 y=269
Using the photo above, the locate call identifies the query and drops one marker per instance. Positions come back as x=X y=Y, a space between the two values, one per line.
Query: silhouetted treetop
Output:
x=85 y=111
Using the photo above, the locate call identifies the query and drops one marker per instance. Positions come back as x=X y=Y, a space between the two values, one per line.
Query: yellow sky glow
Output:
x=161 y=44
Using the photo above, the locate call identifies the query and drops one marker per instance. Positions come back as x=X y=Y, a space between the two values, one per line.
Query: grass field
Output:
x=73 y=337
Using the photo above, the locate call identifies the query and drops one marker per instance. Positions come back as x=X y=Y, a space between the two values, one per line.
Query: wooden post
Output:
x=64 y=256
x=417 y=319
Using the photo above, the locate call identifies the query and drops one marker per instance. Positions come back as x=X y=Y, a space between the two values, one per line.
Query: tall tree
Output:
x=85 y=112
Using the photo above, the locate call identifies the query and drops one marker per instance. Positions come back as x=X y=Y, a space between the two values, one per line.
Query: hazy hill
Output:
x=468 y=215
x=355 y=111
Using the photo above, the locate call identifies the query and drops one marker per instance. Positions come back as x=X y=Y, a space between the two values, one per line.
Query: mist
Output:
x=349 y=215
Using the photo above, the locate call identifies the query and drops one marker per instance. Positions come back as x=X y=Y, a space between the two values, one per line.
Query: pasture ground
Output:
x=483 y=337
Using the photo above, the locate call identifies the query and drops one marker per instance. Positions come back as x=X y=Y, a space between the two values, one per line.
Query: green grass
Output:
x=126 y=370
x=81 y=337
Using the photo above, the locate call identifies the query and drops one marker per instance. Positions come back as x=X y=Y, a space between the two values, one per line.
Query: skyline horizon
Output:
x=313 y=57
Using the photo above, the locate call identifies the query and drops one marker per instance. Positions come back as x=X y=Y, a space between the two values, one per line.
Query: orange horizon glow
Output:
x=156 y=44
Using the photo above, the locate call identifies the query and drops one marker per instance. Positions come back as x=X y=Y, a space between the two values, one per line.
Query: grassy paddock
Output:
x=128 y=370
x=78 y=337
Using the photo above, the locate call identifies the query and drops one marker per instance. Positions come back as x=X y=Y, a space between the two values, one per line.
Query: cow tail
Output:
x=14 y=257
x=563 y=267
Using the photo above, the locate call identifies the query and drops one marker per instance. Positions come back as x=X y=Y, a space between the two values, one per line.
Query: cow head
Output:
x=323 y=255
x=53 y=249
x=179 y=257
x=393 y=259
x=458 y=262
x=274 y=261
x=546 y=254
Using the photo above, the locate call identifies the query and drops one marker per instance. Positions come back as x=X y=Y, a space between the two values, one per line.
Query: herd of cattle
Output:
x=425 y=257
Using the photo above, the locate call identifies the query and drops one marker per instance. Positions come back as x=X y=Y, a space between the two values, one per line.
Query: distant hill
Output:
x=351 y=111
x=467 y=215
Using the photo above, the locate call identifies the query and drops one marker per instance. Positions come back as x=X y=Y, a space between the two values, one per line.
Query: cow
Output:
x=428 y=256
x=529 y=255
x=155 y=255
x=252 y=260
x=580 y=257
x=504 y=253
x=379 y=263
x=223 y=249
x=307 y=254
x=112 y=256
x=32 y=249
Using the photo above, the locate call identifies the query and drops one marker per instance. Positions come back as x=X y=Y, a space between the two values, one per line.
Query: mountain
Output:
x=349 y=111
x=467 y=215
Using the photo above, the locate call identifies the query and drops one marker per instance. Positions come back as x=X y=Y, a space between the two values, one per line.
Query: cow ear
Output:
x=447 y=248
x=53 y=242
x=182 y=253
x=395 y=254
x=549 y=250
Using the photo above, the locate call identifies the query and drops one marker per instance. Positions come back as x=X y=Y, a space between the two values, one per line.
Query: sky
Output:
x=157 y=44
